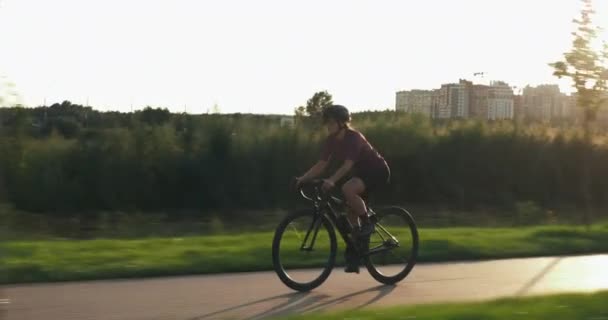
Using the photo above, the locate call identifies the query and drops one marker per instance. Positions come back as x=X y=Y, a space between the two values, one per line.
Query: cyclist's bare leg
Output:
x=352 y=190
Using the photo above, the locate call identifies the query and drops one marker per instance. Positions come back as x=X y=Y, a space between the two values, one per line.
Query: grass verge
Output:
x=555 y=307
x=63 y=260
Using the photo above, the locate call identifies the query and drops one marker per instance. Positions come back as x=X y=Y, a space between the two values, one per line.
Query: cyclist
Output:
x=362 y=170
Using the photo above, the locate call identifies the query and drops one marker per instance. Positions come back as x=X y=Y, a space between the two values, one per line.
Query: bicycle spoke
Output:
x=296 y=231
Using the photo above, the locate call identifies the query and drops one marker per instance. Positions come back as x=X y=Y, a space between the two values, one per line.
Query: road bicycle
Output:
x=306 y=240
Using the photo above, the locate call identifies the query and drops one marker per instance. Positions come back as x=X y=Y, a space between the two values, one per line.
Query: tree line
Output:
x=154 y=160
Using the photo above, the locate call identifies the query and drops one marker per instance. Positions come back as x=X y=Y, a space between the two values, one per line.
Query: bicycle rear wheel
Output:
x=304 y=240
x=393 y=247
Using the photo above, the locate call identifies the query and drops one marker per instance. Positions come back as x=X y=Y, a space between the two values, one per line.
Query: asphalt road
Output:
x=261 y=295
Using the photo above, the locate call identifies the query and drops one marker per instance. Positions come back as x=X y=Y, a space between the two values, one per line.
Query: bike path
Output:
x=260 y=295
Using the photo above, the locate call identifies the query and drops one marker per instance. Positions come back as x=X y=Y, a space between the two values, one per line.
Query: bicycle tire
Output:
x=276 y=260
x=405 y=215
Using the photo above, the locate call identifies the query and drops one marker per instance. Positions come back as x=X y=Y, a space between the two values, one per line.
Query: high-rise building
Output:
x=462 y=100
x=500 y=101
x=479 y=101
x=415 y=101
x=517 y=107
x=453 y=100
x=492 y=102
x=545 y=103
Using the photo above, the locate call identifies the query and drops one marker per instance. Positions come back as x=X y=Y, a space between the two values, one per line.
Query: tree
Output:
x=156 y=116
x=314 y=106
x=67 y=126
x=588 y=71
x=587 y=68
x=300 y=111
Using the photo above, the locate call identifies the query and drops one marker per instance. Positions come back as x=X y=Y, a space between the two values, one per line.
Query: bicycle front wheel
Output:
x=303 y=241
x=393 y=247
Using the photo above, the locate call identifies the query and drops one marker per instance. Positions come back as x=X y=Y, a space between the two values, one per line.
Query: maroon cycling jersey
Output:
x=353 y=147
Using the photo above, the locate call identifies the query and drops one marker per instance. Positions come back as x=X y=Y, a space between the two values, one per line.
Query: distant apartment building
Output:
x=462 y=100
x=479 y=101
x=500 y=101
x=441 y=106
x=415 y=101
x=546 y=103
x=493 y=102
x=453 y=100
x=518 y=107
x=565 y=108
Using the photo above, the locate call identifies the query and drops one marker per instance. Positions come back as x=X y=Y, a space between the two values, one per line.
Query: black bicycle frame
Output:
x=323 y=207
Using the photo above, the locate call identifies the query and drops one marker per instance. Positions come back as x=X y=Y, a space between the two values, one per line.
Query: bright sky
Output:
x=269 y=56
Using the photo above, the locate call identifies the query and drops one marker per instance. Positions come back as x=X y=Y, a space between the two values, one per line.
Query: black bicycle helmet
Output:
x=336 y=112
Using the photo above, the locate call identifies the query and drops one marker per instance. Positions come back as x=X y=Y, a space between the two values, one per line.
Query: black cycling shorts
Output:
x=375 y=178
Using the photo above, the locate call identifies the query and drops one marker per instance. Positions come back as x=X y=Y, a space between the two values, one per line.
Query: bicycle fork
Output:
x=314 y=228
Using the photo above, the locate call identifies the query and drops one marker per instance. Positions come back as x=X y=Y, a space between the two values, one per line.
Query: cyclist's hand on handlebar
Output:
x=328 y=185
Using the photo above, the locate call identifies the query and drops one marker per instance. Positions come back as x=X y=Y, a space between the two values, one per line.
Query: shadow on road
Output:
x=382 y=291
x=298 y=302
x=291 y=298
x=291 y=306
x=528 y=286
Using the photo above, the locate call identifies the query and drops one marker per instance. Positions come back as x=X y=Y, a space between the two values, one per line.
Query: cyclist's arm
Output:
x=344 y=169
x=315 y=171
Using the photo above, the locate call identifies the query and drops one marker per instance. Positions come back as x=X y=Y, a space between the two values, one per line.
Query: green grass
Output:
x=61 y=260
x=556 y=307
